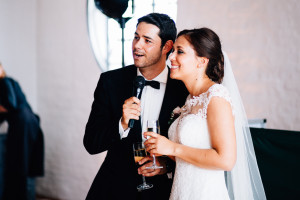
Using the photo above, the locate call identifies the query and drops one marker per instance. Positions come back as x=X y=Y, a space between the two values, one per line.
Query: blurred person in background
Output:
x=24 y=145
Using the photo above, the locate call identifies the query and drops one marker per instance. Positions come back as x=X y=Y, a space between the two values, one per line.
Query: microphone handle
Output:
x=131 y=121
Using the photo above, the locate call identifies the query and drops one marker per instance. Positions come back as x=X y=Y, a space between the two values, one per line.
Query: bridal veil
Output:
x=244 y=180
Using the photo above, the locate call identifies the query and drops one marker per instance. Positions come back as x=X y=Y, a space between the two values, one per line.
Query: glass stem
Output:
x=154 y=160
x=144 y=180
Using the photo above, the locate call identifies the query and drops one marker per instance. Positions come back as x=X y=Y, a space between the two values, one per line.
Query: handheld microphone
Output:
x=139 y=84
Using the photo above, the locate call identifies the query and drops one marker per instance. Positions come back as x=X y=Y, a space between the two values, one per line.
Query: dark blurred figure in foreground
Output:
x=24 y=145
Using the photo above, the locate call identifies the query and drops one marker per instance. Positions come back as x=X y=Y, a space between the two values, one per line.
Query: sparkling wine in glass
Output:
x=153 y=126
x=140 y=152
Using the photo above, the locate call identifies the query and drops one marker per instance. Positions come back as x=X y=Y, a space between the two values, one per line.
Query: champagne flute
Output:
x=139 y=153
x=153 y=126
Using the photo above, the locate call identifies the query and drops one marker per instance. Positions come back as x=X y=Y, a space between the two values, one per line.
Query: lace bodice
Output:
x=190 y=128
x=198 y=104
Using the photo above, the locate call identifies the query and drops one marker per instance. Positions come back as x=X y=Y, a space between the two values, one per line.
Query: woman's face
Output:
x=184 y=60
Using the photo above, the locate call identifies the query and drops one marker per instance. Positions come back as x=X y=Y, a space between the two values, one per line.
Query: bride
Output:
x=210 y=140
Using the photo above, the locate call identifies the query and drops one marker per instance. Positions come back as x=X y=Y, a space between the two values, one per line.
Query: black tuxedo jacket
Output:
x=118 y=177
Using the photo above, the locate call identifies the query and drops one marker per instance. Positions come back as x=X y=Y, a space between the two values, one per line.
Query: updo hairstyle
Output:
x=207 y=44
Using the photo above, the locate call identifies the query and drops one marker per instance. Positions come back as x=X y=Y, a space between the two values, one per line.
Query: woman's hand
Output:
x=158 y=144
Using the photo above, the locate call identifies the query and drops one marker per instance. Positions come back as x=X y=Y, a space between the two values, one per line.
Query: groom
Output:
x=113 y=107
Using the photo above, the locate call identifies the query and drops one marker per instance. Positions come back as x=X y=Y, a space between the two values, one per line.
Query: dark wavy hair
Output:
x=207 y=44
x=166 y=25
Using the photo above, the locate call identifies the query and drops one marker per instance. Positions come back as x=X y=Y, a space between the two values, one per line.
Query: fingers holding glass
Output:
x=152 y=126
x=148 y=172
x=152 y=144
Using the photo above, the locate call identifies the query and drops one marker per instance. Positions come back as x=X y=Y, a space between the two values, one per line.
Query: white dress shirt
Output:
x=151 y=102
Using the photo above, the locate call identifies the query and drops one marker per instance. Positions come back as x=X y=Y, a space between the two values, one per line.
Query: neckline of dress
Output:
x=203 y=93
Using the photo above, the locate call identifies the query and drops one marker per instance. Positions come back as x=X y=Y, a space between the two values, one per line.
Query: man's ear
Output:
x=168 y=47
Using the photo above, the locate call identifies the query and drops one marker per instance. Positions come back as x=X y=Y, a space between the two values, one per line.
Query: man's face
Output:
x=146 y=46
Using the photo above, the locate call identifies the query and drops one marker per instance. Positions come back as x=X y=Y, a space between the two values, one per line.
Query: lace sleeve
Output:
x=198 y=104
x=218 y=90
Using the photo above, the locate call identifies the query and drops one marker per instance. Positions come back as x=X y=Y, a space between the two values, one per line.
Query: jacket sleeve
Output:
x=8 y=95
x=12 y=96
x=19 y=96
x=102 y=128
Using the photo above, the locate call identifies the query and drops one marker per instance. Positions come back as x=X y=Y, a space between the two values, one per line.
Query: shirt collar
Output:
x=162 y=77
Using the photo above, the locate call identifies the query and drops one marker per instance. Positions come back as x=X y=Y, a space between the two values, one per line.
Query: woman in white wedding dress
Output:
x=205 y=140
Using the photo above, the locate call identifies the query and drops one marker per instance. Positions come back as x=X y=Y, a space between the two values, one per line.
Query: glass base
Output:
x=155 y=167
x=144 y=186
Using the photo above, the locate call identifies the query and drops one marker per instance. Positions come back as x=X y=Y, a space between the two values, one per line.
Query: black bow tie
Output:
x=154 y=84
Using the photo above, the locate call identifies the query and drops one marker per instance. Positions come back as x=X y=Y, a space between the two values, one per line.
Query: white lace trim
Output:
x=216 y=90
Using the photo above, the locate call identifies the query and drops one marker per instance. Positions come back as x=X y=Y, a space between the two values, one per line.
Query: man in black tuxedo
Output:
x=114 y=105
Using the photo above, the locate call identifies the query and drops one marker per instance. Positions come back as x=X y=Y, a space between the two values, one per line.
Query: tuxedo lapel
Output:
x=126 y=78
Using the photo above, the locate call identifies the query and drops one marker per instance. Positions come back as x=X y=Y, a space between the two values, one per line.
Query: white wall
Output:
x=18 y=44
x=67 y=77
x=44 y=45
x=262 y=41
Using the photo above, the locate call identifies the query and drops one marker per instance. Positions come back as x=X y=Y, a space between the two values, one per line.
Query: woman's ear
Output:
x=202 y=62
x=168 y=46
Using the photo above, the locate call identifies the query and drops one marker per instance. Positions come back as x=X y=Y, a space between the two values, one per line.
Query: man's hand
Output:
x=131 y=110
x=149 y=162
x=2 y=109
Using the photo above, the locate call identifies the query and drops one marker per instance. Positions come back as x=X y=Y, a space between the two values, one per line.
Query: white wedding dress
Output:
x=190 y=128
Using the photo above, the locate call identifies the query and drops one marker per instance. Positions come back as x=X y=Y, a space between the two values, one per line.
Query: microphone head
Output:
x=139 y=82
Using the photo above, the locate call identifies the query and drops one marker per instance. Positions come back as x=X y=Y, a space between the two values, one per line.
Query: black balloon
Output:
x=112 y=8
